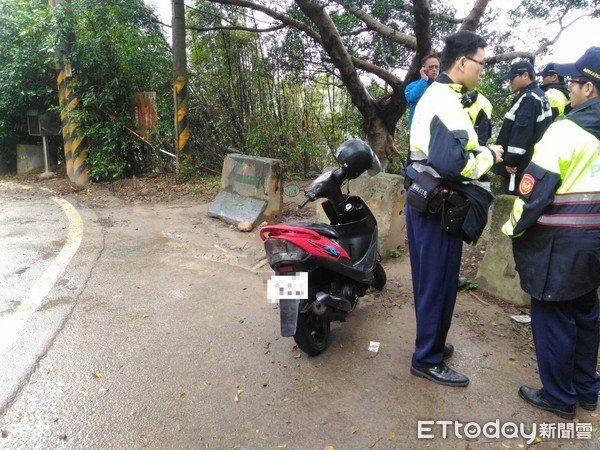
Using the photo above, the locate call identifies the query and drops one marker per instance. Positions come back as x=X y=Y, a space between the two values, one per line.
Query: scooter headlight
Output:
x=278 y=250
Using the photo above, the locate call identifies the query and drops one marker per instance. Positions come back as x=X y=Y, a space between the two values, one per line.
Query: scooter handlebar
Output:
x=304 y=202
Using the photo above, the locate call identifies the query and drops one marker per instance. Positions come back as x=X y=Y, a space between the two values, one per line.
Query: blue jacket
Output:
x=413 y=93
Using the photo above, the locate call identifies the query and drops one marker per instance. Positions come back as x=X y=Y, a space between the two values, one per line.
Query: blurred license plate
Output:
x=293 y=286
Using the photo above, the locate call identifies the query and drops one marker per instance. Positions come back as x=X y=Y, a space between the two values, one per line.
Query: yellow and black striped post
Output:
x=182 y=129
x=76 y=151
x=63 y=94
x=180 y=85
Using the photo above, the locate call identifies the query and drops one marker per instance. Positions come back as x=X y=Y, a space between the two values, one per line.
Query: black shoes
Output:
x=462 y=282
x=441 y=374
x=534 y=398
x=448 y=351
x=588 y=406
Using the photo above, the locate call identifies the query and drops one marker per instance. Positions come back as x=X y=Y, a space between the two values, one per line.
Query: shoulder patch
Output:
x=526 y=185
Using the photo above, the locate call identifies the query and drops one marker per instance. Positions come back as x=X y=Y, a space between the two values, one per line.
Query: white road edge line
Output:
x=12 y=324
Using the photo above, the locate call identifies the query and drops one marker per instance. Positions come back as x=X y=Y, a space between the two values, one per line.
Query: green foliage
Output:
x=395 y=252
x=27 y=78
x=247 y=99
x=116 y=50
x=472 y=285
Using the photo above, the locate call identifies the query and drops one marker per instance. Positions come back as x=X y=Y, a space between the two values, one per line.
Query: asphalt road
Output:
x=157 y=334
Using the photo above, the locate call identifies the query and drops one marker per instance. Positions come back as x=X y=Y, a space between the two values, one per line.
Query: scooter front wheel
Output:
x=313 y=333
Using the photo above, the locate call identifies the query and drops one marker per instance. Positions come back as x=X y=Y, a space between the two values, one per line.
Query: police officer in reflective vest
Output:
x=446 y=202
x=555 y=226
x=554 y=86
x=480 y=112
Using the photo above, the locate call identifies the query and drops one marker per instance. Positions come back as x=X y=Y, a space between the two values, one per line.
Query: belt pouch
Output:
x=422 y=190
x=453 y=217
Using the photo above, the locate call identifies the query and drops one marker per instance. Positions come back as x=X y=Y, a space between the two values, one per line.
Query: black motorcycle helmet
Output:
x=356 y=157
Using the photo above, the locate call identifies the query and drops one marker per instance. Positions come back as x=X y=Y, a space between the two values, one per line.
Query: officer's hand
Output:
x=423 y=74
x=498 y=152
x=511 y=169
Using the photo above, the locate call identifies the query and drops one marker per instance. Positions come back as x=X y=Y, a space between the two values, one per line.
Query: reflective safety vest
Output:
x=443 y=140
x=555 y=221
x=558 y=98
x=572 y=155
x=480 y=113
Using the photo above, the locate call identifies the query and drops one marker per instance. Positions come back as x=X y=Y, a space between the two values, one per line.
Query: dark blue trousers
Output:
x=435 y=264
x=566 y=336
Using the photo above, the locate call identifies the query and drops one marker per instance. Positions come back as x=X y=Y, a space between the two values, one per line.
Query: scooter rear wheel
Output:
x=313 y=333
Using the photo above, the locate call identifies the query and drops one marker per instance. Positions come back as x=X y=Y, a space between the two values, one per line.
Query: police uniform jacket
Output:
x=558 y=96
x=555 y=221
x=444 y=143
x=524 y=124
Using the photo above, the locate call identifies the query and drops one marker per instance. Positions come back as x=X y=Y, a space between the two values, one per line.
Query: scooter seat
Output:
x=323 y=229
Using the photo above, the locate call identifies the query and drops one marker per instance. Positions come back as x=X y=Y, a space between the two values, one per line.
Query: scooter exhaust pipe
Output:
x=333 y=301
x=330 y=306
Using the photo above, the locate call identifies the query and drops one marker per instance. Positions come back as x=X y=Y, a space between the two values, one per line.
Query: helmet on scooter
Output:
x=357 y=157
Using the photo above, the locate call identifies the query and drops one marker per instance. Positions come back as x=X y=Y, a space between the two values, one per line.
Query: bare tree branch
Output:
x=237 y=28
x=333 y=45
x=473 y=19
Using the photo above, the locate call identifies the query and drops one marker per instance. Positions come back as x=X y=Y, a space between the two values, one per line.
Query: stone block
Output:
x=385 y=195
x=251 y=190
x=497 y=274
x=29 y=157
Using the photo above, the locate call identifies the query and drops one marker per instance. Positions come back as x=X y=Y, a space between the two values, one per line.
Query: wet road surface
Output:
x=158 y=335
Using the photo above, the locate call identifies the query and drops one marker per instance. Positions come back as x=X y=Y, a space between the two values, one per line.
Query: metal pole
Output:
x=45 y=143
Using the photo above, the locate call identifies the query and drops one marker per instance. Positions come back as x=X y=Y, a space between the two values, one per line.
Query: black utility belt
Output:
x=429 y=196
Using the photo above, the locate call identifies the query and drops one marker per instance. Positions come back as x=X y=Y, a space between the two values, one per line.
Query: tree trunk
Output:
x=381 y=141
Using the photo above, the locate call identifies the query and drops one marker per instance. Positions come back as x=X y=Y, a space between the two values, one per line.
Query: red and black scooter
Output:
x=323 y=269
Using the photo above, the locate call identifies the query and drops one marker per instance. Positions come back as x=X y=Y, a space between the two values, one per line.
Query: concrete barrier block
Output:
x=29 y=157
x=497 y=274
x=251 y=190
x=385 y=195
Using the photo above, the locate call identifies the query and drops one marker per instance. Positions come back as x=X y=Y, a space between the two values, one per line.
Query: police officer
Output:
x=444 y=148
x=479 y=109
x=555 y=226
x=554 y=86
x=524 y=123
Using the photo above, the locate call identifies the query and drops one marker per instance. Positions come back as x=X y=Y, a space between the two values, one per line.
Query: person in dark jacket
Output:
x=555 y=226
x=556 y=90
x=524 y=124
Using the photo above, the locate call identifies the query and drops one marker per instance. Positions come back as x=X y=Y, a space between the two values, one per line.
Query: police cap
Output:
x=518 y=68
x=588 y=66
